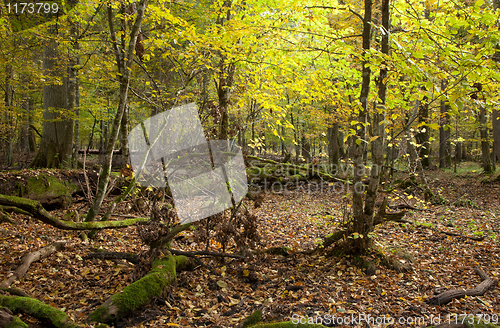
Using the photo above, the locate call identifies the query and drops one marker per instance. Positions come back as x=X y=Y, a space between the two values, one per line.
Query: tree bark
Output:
x=226 y=77
x=333 y=147
x=378 y=117
x=362 y=223
x=9 y=100
x=485 y=142
x=444 y=133
x=124 y=62
x=422 y=137
x=57 y=134
x=496 y=136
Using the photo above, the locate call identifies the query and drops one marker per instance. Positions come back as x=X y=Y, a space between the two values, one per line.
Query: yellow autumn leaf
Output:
x=246 y=272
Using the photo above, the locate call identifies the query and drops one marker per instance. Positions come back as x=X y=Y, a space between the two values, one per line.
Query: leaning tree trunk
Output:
x=56 y=147
x=124 y=60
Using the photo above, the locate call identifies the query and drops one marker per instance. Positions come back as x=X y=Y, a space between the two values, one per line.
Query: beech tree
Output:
x=56 y=147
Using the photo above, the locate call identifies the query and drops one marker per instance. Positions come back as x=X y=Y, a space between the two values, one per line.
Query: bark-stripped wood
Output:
x=479 y=290
x=30 y=258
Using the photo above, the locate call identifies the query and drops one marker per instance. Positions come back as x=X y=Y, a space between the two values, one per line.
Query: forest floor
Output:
x=291 y=287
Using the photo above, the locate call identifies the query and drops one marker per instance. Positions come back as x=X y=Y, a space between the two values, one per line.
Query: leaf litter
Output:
x=286 y=286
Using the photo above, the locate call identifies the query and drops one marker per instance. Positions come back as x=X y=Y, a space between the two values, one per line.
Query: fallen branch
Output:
x=36 y=210
x=141 y=292
x=460 y=235
x=479 y=290
x=10 y=321
x=382 y=216
x=37 y=309
x=208 y=253
x=131 y=257
x=30 y=258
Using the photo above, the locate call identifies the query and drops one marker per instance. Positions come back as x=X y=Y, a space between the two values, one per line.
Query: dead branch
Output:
x=36 y=210
x=460 y=235
x=382 y=216
x=207 y=253
x=131 y=257
x=479 y=290
x=30 y=258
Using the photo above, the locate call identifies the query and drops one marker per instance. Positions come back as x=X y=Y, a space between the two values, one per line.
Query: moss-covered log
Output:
x=36 y=210
x=38 y=310
x=140 y=293
x=7 y=320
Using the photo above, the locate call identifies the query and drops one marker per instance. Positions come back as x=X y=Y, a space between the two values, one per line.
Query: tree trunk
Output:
x=333 y=147
x=125 y=156
x=444 y=133
x=57 y=134
x=485 y=142
x=9 y=99
x=226 y=78
x=378 y=117
x=496 y=136
x=362 y=223
x=74 y=94
x=124 y=69
x=422 y=137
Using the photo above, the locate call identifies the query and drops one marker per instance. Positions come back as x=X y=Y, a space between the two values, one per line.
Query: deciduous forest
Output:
x=338 y=165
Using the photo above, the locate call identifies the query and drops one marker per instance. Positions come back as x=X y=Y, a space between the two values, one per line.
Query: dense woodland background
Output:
x=394 y=104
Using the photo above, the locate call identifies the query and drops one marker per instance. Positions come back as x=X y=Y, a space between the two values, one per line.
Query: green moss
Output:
x=45 y=186
x=252 y=319
x=99 y=314
x=38 y=310
x=16 y=323
x=140 y=292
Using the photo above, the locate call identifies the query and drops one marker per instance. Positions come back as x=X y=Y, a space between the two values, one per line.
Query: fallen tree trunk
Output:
x=7 y=320
x=140 y=293
x=38 y=310
x=30 y=258
x=36 y=210
x=479 y=290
